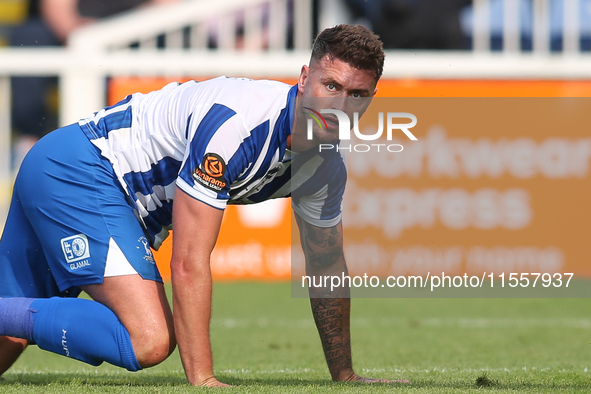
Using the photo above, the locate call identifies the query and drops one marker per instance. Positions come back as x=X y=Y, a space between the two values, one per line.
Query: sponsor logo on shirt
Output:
x=211 y=173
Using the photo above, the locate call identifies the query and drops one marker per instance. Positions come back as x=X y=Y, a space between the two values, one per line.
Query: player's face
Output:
x=331 y=84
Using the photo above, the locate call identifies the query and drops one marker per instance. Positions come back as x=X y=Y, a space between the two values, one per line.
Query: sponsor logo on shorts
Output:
x=65 y=343
x=76 y=251
x=148 y=256
x=211 y=173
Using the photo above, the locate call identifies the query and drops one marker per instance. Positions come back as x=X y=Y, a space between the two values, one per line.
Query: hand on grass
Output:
x=356 y=378
x=213 y=382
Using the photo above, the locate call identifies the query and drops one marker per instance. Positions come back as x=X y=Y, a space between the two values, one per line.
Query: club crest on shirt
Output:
x=211 y=172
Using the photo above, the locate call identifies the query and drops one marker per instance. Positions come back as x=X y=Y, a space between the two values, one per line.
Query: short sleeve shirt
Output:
x=222 y=141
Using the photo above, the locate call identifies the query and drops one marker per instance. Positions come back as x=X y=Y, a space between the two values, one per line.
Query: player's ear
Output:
x=374 y=92
x=303 y=78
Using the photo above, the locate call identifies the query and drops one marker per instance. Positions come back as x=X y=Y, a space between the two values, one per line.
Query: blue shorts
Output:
x=69 y=215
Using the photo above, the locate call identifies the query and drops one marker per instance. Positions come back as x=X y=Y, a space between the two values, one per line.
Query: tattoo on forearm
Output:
x=325 y=258
x=323 y=247
x=332 y=316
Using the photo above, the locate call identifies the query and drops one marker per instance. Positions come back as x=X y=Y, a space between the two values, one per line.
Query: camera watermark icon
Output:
x=344 y=129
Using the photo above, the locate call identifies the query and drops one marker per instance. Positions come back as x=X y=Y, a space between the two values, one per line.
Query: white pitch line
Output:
x=243 y=371
x=461 y=322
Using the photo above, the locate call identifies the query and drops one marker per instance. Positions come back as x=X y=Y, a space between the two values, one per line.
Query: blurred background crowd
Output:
x=401 y=24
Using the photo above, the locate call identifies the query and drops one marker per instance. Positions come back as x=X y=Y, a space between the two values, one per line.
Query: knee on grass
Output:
x=151 y=348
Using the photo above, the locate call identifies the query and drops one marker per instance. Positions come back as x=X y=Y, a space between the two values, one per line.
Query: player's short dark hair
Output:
x=356 y=45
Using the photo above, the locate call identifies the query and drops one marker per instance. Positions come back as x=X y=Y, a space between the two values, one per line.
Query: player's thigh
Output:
x=91 y=237
x=80 y=213
x=143 y=309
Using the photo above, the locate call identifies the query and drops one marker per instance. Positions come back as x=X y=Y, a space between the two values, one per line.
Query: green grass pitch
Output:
x=264 y=341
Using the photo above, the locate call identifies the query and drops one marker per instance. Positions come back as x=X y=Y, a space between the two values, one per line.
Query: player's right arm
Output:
x=196 y=226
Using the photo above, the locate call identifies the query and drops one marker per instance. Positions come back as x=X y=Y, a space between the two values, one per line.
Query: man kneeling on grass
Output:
x=91 y=199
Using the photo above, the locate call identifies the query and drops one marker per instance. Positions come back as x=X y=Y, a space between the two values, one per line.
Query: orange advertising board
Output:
x=471 y=193
x=490 y=185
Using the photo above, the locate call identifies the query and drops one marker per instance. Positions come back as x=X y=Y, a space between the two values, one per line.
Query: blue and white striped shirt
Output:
x=222 y=141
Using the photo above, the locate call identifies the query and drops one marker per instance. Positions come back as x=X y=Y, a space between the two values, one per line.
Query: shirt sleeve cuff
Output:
x=199 y=195
x=324 y=223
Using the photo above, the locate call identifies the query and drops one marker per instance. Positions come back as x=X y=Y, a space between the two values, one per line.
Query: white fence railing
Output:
x=538 y=20
x=98 y=51
x=251 y=25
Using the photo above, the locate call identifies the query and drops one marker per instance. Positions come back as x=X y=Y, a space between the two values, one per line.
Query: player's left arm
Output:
x=196 y=226
x=323 y=249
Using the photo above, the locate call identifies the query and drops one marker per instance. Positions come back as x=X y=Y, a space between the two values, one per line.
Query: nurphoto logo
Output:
x=344 y=126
